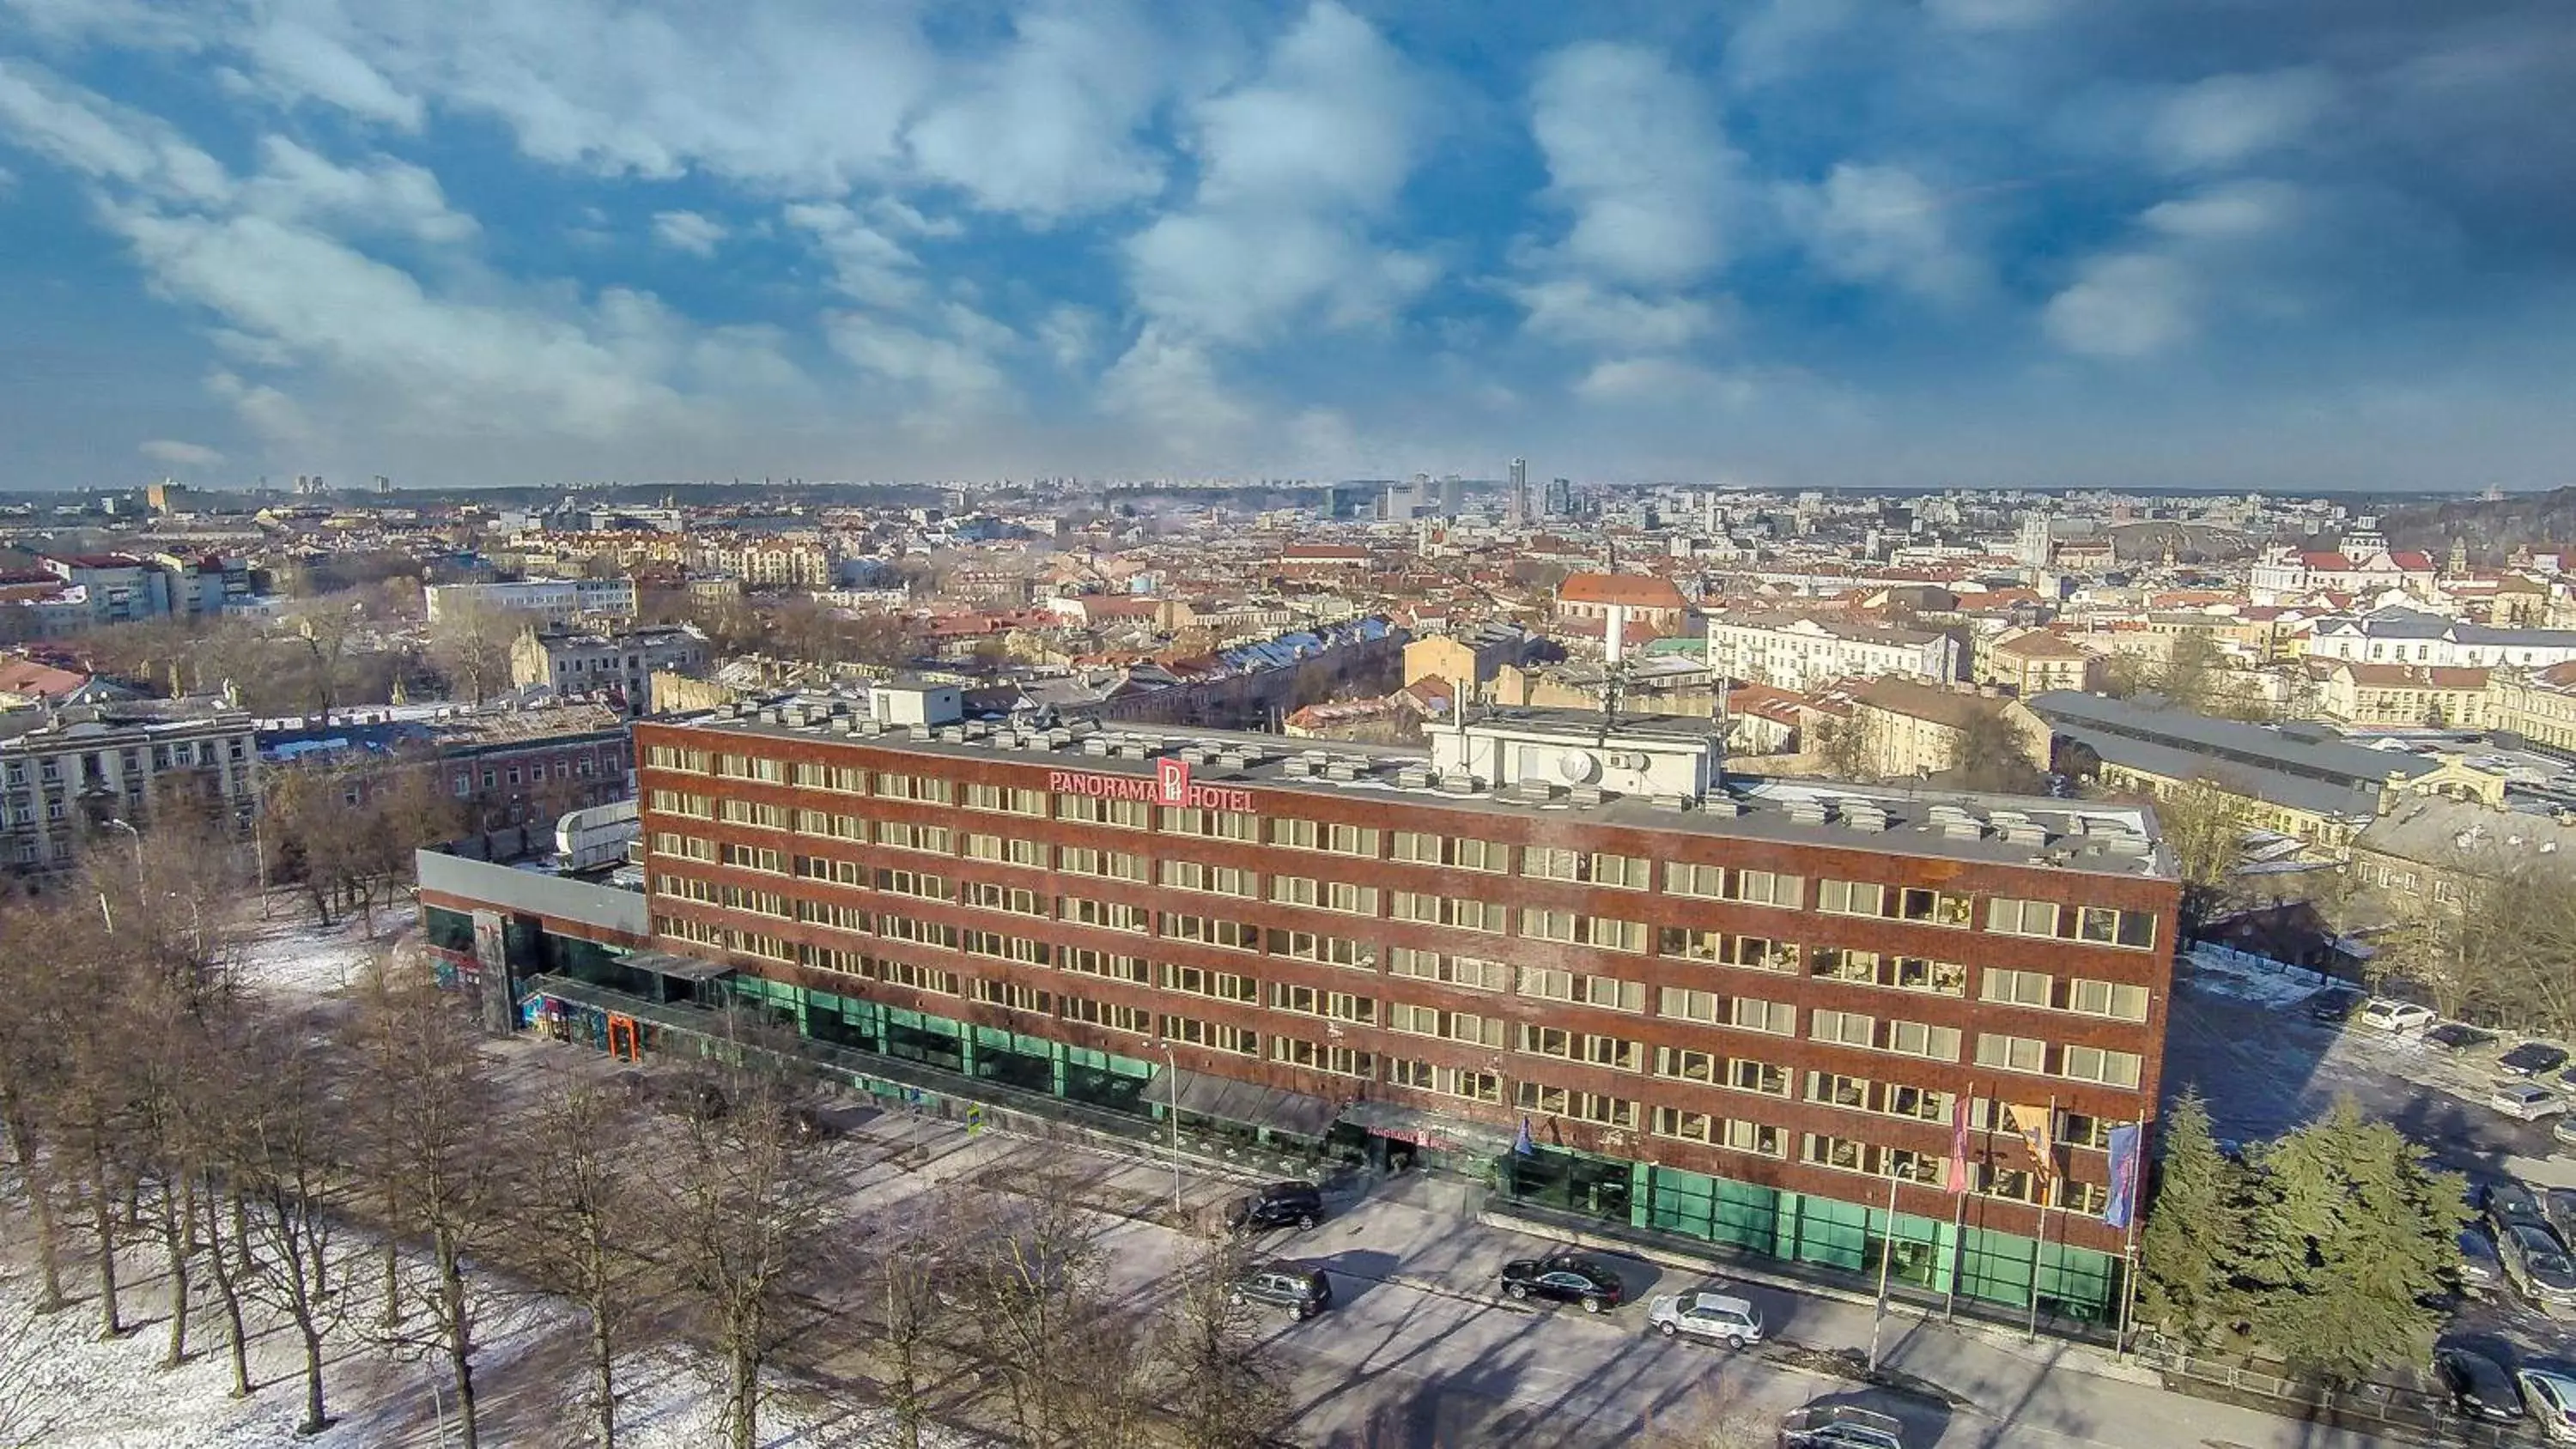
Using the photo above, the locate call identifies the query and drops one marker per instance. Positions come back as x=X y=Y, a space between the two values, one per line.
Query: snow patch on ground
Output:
x=288 y=955
x=2223 y=976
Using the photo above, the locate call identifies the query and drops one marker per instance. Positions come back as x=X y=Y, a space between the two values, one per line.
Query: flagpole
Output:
x=1960 y=1177
x=2048 y=1196
x=2129 y=1246
x=1886 y=1259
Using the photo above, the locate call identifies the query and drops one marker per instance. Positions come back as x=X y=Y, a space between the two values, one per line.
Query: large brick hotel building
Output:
x=1742 y=1010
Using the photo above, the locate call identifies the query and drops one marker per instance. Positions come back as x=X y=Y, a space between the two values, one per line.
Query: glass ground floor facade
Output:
x=1925 y=1256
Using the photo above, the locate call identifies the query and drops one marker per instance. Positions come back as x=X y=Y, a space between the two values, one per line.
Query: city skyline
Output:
x=1967 y=242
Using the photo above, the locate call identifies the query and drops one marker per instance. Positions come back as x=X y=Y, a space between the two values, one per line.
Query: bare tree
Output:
x=292 y=1187
x=2204 y=826
x=31 y=1065
x=911 y=1260
x=1027 y=1281
x=1225 y=1387
x=470 y=644
x=582 y=1215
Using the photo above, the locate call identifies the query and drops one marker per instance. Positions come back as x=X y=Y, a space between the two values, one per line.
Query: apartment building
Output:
x=1803 y=653
x=2400 y=695
x=64 y=771
x=2037 y=661
x=2539 y=705
x=2407 y=636
x=556 y=601
x=621 y=664
x=1743 y=1011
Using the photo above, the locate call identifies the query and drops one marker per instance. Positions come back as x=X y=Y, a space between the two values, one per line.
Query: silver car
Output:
x=2538 y=1265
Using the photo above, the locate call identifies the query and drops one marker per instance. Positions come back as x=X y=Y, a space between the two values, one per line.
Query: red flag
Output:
x=1956 y=1181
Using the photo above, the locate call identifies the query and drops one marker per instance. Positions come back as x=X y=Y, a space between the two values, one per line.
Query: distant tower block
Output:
x=1518 y=498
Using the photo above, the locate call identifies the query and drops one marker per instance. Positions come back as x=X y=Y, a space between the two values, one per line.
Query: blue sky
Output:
x=2294 y=244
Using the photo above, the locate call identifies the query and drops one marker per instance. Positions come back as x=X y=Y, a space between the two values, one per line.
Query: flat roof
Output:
x=2095 y=837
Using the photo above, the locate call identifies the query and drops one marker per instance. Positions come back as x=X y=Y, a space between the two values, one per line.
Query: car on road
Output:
x=1298 y=1205
x=1840 y=1426
x=2335 y=1004
x=2565 y=1130
x=2481 y=1271
x=1300 y=1289
x=2479 y=1386
x=2526 y=1101
x=1717 y=1317
x=2538 y=1265
x=2504 y=1203
x=2531 y=1059
x=2452 y=1036
x=1566 y=1278
x=2551 y=1396
x=2390 y=1015
x=2559 y=1205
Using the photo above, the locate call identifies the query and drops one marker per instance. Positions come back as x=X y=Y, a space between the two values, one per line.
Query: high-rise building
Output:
x=1518 y=500
x=1578 y=958
x=1560 y=497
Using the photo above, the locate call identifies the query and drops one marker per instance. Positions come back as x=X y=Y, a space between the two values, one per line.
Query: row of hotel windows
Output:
x=2103 y=925
x=1994 y=1050
x=2118 y=1000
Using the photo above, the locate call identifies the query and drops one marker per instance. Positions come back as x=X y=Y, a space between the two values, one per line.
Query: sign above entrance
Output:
x=1170 y=786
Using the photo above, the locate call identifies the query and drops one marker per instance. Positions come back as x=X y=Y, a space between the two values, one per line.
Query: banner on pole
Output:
x=2038 y=1132
x=1955 y=1180
x=2126 y=1145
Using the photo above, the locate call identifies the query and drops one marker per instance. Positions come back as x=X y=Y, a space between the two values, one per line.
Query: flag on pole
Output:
x=2039 y=1134
x=2126 y=1143
x=1522 y=1146
x=1955 y=1181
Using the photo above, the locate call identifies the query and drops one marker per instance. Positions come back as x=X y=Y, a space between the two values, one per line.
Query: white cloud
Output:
x=2126 y=305
x=180 y=454
x=1169 y=389
x=1882 y=225
x=308 y=55
x=688 y=231
x=1070 y=334
x=958 y=380
x=1048 y=129
x=1574 y=311
x=1660 y=381
x=2227 y=119
x=1981 y=15
x=384 y=195
x=2230 y=212
x=1237 y=278
x=867 y=265
x=89 y=134
x=1635 y=155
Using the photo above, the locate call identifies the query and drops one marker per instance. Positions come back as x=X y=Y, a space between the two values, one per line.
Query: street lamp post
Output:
x=1172 y=1117
x=112 y=823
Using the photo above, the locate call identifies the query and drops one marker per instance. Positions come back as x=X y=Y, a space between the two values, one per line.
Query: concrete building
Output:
x=2037 y=661
x=1650 y=604
x=2406 y=636
x=1741 y=1012
x=620 y=665
x=119 y=588
x=555 y=601
x=2399 y=695
x=2539 y=705
x=1803 y=653
x=1910 y=730
x=64 y=771
x=1468 y=662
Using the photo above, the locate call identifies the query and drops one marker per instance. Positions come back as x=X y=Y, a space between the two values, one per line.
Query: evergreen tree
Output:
x=2349 y=1235
x=2190 y=1252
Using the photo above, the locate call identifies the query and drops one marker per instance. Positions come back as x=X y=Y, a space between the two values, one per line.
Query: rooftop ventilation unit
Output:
x=1725 y=805
x=1058 y=739
x=1234 y=759
x=1674 y=804
x=1345 y=770
x=1097 y=746
x=1587 y=796
x=1809 y=811
x=920 y=732
x=1414 y=777
x=845 y=724
x=1458 y=783
x=1858 y=815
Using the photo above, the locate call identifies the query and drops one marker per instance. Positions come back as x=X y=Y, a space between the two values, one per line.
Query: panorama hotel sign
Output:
x=1170 y=785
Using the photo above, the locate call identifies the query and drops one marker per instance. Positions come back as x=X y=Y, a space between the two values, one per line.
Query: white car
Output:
x=2395 y=1016
x=1719 y=1317
x=2551 y=1397
x=2526 y=1101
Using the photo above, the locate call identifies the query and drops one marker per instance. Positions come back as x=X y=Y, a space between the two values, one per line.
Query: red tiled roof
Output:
x=1636 y=591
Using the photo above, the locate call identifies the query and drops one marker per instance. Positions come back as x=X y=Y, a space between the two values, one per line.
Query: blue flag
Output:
x=1522 y=1146
x=2122 y=1205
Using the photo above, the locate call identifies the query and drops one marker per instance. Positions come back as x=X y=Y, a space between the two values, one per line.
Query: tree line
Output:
x=367 y=1165
x=2329 y=1248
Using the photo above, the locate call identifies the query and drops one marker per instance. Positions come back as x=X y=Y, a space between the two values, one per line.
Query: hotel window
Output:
x=1684 y=1065
x=1608 y=992
x=1474 y=1086
x=2093 y=1064
x=2012 y=1053
x=1342 y=1006
x=1223 y=880
x=1360 y=840
x=2013 y=1183
x=1425 y=849
x=1747 y=1075
x=828 y=777
x=921 y=933
x=1598 y=1107
x=1215 y=1036
x=678 y=802
x=1690 y=944
x=1294 y=890
x=1685 y=1126
x=1766 y=888
x=898 y=835
x=1610 y=935
x=1843 y=963
x=2134 y=929
x=687 y=847
x=827 y=958
x=1109 y=1014
x=1006 y=948
x=1350 y=900
x=847 y=918
x=1484 y=855
x=1300 y=834
x=1629 y=872
x=1851 y=898
x=839 y=827
x=1018 y=900
x=1909 y=1165
x=1418 y=848
x=983 y=797
x=1215 y=824
x=748 y=857
x=1405 y=1072
x=1758 y=953
x=1920 y=1103
x=1106 y=915
x=1220 y=985
x=1846 y=1154
x=1303 y=1000
x=1545 y=925
x=1915 y=973
x=1934 y=908
x=2076 y=1129
x=1025 y=802
x=980 y=847
x=1449 y=1025
x=2012 y=916
x=2107 y=998
x=1340 y=1061
x=1705 y=881
x=1779 y=1018
x=1757 y=1138
x=1473 y=973
x=1082 y=860
x=1690 y=1005
x=1115 y=967
x=913 y=883
x=660 y=757
x=2016 y=988
x=915 y=787
x=1329 y=950
x=1921 y=1039
x=1541 y=862
x=1844 y=1028
x=838 y=872
x=1013 y=996
x=1834 y=1090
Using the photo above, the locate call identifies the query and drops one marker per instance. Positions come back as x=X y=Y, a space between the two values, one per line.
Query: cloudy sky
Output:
x=2296 y=243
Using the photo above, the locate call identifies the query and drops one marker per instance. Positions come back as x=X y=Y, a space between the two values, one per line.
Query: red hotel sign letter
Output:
x=1170 y=786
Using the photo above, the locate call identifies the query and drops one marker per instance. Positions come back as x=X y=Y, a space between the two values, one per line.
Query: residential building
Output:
x=2037 y=661
x=1910 y=730
x=2537 y=704
x=1803 y=653
x=2398 y=695
x=620 y=665
x=2289 y=571
x=555 y=601
x=2428 y=851
x=1742 y=1011
x=120 y=588
x=1468 y=660
x=63 y=771
x=2406 y=636
x=1650 y=604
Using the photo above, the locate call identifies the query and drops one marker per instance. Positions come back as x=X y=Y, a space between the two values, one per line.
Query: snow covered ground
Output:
x=289 y=955
x=2233 y=975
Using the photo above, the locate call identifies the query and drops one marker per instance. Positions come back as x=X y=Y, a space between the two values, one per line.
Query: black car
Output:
x=2531 y=1059
x=2505 y=1203
x=1565 y=1277
x=2479 y=1386
x=2451 y=1036
x=1280 y=1205
x=2335 y=1003
x=1300 y=1288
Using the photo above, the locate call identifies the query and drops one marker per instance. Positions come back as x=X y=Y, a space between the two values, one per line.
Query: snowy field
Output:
x=2230 y=975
